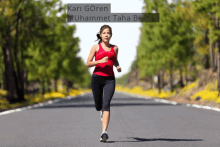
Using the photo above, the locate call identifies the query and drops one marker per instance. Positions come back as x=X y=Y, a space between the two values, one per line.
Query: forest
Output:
x=180 y=53
x=37 y=49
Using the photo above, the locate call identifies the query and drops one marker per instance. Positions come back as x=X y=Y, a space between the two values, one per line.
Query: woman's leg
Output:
x=109 y=89
x=105 y=120
x=97 y=90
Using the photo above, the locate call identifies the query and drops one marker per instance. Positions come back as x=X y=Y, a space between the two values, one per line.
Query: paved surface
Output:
x=134 y=122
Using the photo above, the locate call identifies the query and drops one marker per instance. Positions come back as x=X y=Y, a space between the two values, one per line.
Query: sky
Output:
x=125 y=35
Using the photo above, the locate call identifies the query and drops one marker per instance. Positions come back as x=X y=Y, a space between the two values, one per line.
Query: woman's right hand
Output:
x=104 y=59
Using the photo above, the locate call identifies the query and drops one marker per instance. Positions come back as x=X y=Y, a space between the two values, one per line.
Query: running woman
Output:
x=103 y=78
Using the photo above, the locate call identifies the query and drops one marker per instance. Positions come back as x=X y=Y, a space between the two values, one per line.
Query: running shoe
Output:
x=101 y=115
x=104 y=136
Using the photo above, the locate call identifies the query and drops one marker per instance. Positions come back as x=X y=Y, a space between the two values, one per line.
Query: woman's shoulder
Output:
x=115 y=46
x=96 y=47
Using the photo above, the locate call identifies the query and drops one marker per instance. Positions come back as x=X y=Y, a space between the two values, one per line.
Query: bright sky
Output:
x=124 y=35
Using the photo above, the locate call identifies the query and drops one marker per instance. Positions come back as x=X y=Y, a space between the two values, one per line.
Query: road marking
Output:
x=216 y=109
x=39 y=104
x=188 y=105
x=19 y=109
x=171 y=102
x=197 y=106
x=174 y=103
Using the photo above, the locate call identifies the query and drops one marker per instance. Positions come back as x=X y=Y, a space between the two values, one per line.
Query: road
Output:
x=134 y=122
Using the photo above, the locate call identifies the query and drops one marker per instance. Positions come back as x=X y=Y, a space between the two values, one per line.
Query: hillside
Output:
x=206 y=79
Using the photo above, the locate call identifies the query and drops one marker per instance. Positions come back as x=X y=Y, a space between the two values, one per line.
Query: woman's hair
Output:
x=101 y=29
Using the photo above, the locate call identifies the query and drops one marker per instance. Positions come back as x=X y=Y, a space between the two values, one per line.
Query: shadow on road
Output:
x=155 y=139
x=93 y=105
x=88 y=102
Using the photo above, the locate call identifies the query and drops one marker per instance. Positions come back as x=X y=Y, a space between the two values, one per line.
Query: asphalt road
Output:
x=134 y=122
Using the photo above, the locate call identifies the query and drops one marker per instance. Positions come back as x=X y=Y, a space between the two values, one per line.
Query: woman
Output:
x=103 y=78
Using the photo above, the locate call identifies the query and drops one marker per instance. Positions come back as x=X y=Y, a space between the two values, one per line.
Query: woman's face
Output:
x=106 y=35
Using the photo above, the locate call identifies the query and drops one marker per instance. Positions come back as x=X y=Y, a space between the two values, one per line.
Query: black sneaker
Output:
x=104 y=136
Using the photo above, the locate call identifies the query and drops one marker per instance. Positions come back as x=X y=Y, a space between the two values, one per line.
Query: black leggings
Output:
x=98 y=83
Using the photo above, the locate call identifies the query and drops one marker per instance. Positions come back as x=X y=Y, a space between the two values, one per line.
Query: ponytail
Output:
x=98 y=38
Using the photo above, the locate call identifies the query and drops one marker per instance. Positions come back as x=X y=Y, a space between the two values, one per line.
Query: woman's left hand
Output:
x=119 y=68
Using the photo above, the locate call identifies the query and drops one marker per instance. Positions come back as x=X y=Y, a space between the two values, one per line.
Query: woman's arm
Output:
x=116 y=61
x=90 y=61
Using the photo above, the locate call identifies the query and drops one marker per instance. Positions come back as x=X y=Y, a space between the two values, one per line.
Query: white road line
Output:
x=37 y=105
x=17 y=110
x=29 y=107
x=188 y=105
x=216 y=109
x=197 y=106
x=50 y=102
x=173 y=102
x=206 y=107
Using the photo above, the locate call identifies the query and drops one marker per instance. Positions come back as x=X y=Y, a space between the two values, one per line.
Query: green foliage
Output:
x=168 y=40
x=46 y=46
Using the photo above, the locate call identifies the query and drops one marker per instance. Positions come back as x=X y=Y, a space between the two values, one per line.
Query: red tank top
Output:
x=105 y=69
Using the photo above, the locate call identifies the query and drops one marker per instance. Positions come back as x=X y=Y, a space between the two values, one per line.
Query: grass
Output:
x=150 y=92
x=188 y=88
x=38 y=98
x=209 y=94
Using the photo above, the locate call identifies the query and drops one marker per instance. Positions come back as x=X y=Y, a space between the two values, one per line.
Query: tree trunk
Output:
x=162 y=79
x=69 y=85
x=207 y=66
x=151 y=82
x=186 y=75
x=194 y=70
x=136 y=74
x=216 y=60
x=19 y=74
x=2 y=84
x=158 y=81
x=181 y=77
x=171 y=76
x=12 y=95
x=55 y=85
x=43 y=86
x=18 y=88
x=48 y=84
x=5 y=72
x=217 y=46
x=211 y=56
x=25 y=81
x=206 y=60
